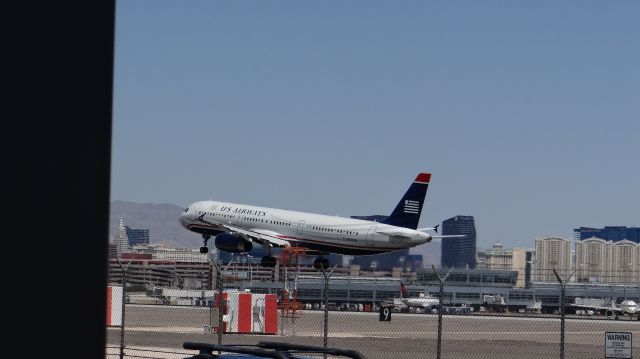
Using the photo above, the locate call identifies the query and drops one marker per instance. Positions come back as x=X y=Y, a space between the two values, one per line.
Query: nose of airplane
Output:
x=182 y=219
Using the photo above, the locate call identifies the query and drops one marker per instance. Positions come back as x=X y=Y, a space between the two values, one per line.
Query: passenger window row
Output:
x=324 y=229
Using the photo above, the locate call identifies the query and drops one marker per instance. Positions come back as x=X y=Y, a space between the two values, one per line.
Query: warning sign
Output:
x=617 y=345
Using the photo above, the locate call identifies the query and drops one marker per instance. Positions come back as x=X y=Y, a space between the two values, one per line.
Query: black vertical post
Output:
x=213 y=288
x=325 y=332
x=441 y=280
x=221 y=303
x=122 y=312
x=563 y=283
x=124 y=286
x=562 y=290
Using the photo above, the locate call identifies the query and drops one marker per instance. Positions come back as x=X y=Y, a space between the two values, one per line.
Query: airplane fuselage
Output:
x=422 y=302
x=318 y=232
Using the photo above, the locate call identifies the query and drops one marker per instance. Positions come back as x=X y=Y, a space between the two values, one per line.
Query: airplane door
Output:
x=238 y=220
x=371 y=236
x=300 y=226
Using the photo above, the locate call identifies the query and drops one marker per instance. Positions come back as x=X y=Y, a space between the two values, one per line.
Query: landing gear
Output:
x=321 y=263
x=268 y=261
x=204 y=249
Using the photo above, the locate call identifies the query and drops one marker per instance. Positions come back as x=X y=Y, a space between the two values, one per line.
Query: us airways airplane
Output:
x=236 y=227
x=627 y=307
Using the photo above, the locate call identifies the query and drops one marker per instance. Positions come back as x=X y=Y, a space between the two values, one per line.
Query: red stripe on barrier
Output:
x=108 y=306
x=270 y=314
x=244 y=313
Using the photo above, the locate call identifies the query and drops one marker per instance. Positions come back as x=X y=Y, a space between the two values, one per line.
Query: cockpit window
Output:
x=186 y=209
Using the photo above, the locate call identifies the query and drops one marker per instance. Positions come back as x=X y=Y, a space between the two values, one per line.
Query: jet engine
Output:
x=230 y=243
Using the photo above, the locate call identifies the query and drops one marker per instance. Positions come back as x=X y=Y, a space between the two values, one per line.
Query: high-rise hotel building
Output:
x=552 y=253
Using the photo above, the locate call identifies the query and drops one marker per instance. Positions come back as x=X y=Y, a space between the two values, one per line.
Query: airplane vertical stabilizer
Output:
x=407 y=212
x=403 y=291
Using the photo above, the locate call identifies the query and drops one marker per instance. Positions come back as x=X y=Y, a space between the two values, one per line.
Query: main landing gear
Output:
x=204 y=249
x=268 y=261
x=321 y=263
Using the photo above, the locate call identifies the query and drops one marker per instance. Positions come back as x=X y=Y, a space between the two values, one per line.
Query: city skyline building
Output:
x=164 y=252
x=608 y=233
x=122 y=242
x=601 y=261
x=626 y=262
x=593 y=260
x=513 y=259
x=137 y=236
x=459 y=252
x=552 y=253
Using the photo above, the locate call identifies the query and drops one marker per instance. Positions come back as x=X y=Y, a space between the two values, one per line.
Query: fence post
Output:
x=326 y=275
x=441 y=280
x=221 y=304
x=124 y=286
x=563 y=283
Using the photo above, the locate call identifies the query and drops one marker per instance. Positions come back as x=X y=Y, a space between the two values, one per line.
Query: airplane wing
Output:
x=613 y=309
x=259 y=235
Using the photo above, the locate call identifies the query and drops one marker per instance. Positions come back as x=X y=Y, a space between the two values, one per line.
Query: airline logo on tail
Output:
x=411 y=207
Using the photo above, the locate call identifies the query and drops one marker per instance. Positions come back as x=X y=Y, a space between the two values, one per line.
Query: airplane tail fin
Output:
x=403 y=291
x=407 y=212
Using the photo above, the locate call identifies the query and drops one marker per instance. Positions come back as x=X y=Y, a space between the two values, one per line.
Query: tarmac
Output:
x=159 y=331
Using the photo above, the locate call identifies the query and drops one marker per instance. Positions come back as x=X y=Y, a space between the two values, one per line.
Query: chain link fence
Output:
x=378 y=316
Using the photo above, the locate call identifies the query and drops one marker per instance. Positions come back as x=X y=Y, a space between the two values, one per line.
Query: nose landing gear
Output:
x=204 y=249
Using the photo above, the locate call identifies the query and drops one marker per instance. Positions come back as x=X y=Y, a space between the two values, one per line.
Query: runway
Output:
x=405 y=336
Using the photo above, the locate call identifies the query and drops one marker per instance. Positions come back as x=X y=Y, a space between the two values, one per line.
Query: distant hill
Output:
x=161 y=219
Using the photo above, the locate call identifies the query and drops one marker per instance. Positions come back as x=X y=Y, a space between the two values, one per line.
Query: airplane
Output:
x=627 y=307
x=236 y=227
x=424 y=302
x=421 y=304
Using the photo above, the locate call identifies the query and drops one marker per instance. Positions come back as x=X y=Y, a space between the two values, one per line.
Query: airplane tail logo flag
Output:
x=411 y=207
x=403 y=291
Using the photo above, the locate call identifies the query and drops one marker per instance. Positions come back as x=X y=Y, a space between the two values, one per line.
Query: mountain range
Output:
x=161 y=220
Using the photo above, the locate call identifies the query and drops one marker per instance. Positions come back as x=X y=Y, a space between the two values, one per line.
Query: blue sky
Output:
x=526 y=113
